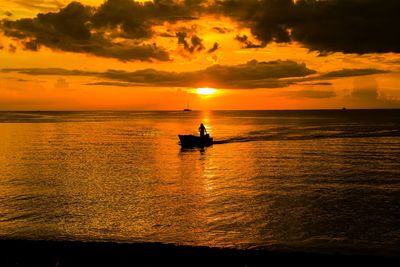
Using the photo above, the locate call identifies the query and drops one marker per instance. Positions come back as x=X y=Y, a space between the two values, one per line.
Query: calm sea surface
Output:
x=293 y=180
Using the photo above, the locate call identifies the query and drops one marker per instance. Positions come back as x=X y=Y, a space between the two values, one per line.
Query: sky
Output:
x=155 y=55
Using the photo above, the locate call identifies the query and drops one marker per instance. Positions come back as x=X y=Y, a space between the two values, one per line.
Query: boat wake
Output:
x=311 y=135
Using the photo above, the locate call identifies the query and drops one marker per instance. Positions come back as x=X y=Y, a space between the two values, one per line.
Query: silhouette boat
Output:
x=195 y=141
x=187 y=107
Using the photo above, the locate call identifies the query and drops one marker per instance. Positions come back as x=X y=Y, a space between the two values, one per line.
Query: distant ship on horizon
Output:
x=187 y=107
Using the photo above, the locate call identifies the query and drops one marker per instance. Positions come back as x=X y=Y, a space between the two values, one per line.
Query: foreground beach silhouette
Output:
x=75 y=253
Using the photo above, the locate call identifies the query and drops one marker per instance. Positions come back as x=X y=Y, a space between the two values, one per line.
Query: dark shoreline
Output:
x=76 y=253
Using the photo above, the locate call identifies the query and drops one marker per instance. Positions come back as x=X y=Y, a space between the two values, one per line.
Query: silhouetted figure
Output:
x=202 y=130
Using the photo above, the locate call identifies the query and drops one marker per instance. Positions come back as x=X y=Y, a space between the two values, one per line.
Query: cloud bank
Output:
x=348 y=26
x=314 y=94
x=117 y=29
x=251 y=75
x=123 y=29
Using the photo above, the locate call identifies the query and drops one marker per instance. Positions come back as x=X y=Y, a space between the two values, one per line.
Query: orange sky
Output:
x=202 y=50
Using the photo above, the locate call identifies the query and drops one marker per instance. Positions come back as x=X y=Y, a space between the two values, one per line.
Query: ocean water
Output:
x=325 y=181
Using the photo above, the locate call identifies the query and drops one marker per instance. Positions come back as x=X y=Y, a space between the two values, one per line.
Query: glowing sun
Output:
x=205 y=91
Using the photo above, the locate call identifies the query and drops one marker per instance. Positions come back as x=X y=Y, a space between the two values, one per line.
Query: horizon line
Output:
x=193 y=110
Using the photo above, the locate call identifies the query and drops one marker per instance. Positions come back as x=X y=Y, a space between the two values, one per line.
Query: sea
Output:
x=310 y=181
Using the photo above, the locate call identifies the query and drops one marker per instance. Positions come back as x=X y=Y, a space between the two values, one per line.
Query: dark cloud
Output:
x=69 y=23
x=24 y=80
x=118 y=84
x=222 y=30
x=50 y=72
x=254 y=70
x=351 y=26
x=136 y=19
x=267 y=19
x=394 y=61
x=246 y=43
x=320 y=79
x=117 y=29
x=12 y=48
x=352 y=72
x=8 y=14
x=194 y=45
x=31 y=45
x=66 y=30
x=127 y=51
x=214 y=48
x=251 y=75
x=126 y=14
x=21 y=80
x=348 y=26
x=316 y=94
x=318 y=83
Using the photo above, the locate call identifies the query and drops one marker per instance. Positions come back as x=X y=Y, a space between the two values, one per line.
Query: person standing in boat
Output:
x=202 y=130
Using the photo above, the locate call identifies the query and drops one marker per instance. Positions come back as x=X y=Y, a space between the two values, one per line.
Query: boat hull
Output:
x=195 y=141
